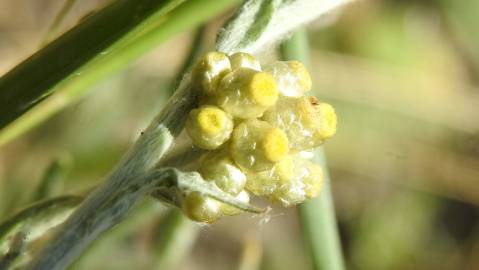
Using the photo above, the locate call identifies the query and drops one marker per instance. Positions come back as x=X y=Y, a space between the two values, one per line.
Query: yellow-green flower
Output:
x=266 y=182
x=305 y=183
x=218 y=166
x=247 y=93
x=209 y=127
x=258 y=126
x=209 y=71
x=256 y=145
x=201 y=208
x=244 y=60
x=292 y=77
x=306 y=122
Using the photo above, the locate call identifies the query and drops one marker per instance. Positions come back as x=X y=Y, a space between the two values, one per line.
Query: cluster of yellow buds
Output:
x=258 y=127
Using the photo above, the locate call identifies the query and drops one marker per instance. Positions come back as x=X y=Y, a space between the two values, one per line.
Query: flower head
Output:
x=257 y=124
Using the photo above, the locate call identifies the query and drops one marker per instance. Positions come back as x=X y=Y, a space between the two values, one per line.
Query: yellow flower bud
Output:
x=302 y=181
x=209 y=71
x=244 y=60
x=306 y=122
x=257 y=146
x=328 y=120
x=246 y=93
x=290 y=193
x=229 y=210
x=312 y=179
x=209 y=127
x=219 y=167
x=266 y=182
x=292 y=76
x=201 y=208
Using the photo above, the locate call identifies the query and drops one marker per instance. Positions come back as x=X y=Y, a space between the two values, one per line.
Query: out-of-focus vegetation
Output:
x=404 y=78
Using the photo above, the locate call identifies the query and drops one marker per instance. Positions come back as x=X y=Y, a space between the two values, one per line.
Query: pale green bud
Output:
x=209 y=127
x=306 y=122
x=246 y=93
x=257 y=146
x=292 y=77
x=209 y=71
x=305 y=183
x=201 y=208
x=219 y=167
x=244 y=60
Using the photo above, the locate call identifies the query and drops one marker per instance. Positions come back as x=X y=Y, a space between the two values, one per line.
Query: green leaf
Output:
x=64 y=56
x=69 y=66
x=36 y=219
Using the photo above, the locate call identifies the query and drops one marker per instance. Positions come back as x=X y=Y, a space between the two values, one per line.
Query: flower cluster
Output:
x=258 y=127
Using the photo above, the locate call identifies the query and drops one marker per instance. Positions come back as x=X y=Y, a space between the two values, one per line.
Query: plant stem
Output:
x=51 y=183
x=173 y=239
x=80 y=230
x=120 y=191
x=252 y=253
x=318 y=219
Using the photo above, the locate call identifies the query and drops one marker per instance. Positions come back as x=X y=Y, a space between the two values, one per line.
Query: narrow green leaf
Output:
x=72 y=82
x=64 y=56
x=51 y=183
x=36 y=219
x=173 y=239
x=15 y=250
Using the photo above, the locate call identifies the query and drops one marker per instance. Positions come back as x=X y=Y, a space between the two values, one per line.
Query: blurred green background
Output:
x=403 y=76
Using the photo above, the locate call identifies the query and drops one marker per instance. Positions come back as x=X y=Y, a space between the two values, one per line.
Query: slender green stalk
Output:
x=67 y=6
x=173 y=239
x=318 y=219
x=51 y=183
x=89 y=62
x=252 y=253
x=69 y=243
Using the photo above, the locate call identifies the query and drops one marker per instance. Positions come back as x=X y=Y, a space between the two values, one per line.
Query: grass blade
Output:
x=18 y=95
x=52 y=64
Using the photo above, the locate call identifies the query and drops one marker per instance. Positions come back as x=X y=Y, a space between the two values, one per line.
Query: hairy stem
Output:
x=320 y=230
x=120 y=191
x=80 y=230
